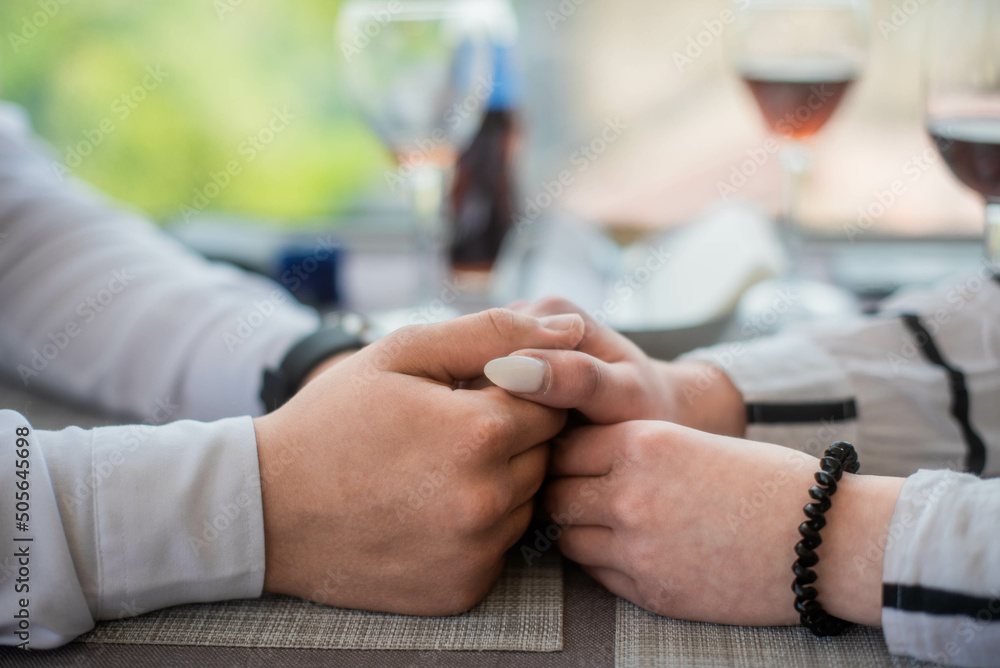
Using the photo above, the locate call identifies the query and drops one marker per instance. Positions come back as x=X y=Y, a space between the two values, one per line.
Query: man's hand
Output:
x=609 y=379
x=703 y=527
x=385 y=487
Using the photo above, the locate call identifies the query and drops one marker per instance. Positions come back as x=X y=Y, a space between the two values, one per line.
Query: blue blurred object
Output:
x=506 y=80
x=313 y=273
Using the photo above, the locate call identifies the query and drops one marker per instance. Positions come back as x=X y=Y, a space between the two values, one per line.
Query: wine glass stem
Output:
x=427 y=187
x=795 y=162
x=794 y=158
x=993 y=232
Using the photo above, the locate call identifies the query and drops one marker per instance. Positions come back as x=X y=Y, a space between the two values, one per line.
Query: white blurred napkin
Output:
x=679 y=279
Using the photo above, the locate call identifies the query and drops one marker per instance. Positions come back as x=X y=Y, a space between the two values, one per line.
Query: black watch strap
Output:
x=281 y=383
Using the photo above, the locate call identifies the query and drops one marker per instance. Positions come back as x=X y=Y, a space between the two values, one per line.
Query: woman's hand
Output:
x=703 y=527
x=609 y=379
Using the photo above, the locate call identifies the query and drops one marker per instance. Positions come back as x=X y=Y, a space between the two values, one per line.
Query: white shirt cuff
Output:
x=939 y=569
x=159 y=516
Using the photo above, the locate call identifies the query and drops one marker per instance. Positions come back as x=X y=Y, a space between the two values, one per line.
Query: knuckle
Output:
x=502 y=321
x=591 y=375
x=479 y=509
x=642 y=557
x=395 y=345
x=488 y=554
x=520 y=519
x=569 y=542
x=638 y=447
x=495 y=430
x=636 y=390
x=627 y=507
x=405 y=334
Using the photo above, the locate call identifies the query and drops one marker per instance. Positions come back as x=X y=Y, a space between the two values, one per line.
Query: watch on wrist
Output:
x=338 y=334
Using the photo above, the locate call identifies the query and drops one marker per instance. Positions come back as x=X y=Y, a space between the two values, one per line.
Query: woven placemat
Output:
x=650 y=641
x=523 y=613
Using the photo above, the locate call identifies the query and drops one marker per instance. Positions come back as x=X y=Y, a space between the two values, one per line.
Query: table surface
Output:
x=588 y=642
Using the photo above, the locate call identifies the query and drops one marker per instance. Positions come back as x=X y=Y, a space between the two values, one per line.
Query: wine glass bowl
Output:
x=423 y=78
x=799 y=58
x=971 y=148
x=798 y=97
x=962 y=99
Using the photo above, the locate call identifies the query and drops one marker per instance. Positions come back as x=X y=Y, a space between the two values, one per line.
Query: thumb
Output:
x=565 y=379
x=458 y=349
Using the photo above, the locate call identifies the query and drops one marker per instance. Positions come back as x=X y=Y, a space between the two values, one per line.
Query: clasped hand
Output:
x=391 y=483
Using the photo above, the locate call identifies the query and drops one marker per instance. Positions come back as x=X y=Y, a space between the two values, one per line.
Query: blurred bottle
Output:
x=483 y=193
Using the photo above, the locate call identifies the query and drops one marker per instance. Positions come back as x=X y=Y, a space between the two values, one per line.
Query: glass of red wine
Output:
x=798 y=58
x=962 y=94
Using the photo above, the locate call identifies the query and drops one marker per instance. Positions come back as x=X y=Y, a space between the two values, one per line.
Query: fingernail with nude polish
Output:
x=524 y=375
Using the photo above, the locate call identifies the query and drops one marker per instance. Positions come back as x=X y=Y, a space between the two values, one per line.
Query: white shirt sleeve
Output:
x=101 y=306
x=914 y=387
x=119 y=521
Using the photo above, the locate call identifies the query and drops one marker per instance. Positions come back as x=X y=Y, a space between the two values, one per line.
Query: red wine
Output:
x=971 y=147
x=798 y=97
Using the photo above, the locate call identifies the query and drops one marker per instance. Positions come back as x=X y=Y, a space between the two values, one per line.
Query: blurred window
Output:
x=182 y=106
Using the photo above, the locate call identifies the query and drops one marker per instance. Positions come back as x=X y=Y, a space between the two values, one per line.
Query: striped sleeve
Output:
x=915 y=387
x=941 y=570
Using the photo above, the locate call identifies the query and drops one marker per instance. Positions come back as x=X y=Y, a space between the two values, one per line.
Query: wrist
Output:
x=300 y=364
x=849 y=573
x=704 y=398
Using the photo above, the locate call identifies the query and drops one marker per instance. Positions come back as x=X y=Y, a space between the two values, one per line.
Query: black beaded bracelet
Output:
x=838 y=458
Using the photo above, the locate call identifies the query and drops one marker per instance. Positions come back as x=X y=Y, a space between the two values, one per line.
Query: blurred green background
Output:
x=75 y=64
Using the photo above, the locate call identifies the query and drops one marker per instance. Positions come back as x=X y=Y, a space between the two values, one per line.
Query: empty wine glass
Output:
x=962 y=96
x=420 y=70
x=798 y=58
